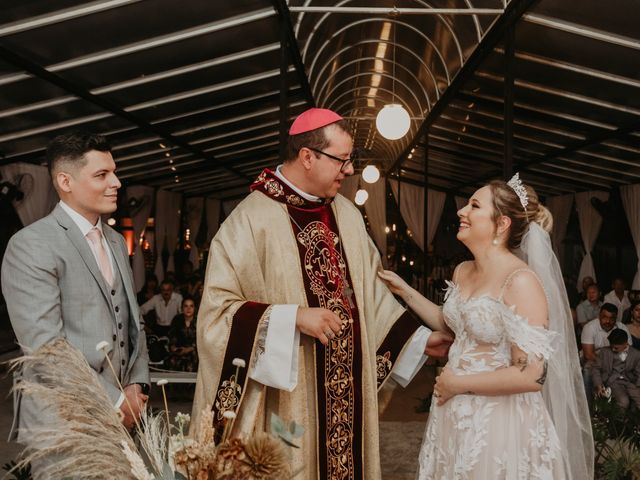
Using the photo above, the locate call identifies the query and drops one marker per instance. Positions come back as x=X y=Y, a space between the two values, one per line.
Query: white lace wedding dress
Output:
x=489 y=438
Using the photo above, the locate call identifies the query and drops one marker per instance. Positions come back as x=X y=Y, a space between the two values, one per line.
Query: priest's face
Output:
x=326 y=174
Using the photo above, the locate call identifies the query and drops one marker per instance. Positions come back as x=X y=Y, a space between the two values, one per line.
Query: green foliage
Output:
x=616 y=435
x=286 y=433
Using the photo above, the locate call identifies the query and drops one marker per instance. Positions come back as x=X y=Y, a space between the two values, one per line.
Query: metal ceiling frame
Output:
x=282 y=9
x=134 y=82
x=369 y=59
x=343 y=2
x=34 y=69
x=51 y=18
x=147 y=44
x=378 y=41
x=512 y=14
x=86 y=95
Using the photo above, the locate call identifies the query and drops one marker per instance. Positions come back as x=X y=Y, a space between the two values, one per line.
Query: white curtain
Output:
x=212 y=210
x=590 y=223
x=560 y=208
x=460 y=201
x=376 y=208
x=194 y=206
x=412 y=206
x=167 y=228
x=35 y=183
x=631 y=202
x=349 y=187
x=143 y=197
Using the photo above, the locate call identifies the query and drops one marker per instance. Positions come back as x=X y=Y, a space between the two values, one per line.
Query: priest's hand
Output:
x=438 y=344
x=320 y=323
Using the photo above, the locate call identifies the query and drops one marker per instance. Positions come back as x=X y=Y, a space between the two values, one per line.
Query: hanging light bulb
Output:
x=370 y=174
x=393 y=121
x=361 y=197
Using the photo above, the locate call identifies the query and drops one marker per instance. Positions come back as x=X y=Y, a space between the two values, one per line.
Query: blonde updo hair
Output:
x=507 y=203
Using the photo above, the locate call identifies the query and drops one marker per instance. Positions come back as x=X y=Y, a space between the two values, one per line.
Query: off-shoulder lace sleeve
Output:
x=536 y=341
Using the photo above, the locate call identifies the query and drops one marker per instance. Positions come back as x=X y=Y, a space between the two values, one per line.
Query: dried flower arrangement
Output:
x=85 y=437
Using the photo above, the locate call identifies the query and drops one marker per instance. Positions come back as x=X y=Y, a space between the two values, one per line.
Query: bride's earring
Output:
x=495 y=241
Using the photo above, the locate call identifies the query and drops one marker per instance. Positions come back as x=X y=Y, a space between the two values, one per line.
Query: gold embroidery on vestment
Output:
x=261 y=336
x=274 y=188
x=326 y=270
x=295 y=200
x=228 y=396
x=383 y=366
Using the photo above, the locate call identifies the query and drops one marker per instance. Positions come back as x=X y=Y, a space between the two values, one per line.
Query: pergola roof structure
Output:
x=196 y=96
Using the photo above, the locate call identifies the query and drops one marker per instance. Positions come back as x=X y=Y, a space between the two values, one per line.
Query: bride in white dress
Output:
x=510 y=403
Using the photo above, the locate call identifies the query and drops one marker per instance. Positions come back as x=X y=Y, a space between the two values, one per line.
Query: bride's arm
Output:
x=528 y=371
x=428 y=311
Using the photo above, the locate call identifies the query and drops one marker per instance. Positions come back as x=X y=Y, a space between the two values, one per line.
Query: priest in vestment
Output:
x=292 y=289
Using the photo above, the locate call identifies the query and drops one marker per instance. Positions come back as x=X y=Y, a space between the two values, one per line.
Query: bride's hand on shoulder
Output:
x=444 y=389
x=396 y=284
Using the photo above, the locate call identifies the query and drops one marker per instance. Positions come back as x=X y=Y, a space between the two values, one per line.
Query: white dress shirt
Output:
x=164 y=311
x=594 y=334
x=622 y=305
x=85 y=227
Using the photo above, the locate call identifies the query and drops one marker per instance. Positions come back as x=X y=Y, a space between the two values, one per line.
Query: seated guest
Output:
x=589 y=309
x=634 y=324
x=593 y=338
x=586 y=281
x=182 y=339
x=619 y=297
x=618 y=368
x=166 y=305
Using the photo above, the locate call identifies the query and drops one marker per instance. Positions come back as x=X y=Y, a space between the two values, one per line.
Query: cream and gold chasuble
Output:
x=277 y=248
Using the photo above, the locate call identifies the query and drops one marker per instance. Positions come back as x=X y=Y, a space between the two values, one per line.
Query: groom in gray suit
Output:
x=68 y=275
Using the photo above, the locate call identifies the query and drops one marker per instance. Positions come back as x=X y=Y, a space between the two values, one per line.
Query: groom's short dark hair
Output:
x=68 y=150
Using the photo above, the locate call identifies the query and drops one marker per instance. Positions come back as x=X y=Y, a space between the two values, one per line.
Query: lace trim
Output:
x=536 y=341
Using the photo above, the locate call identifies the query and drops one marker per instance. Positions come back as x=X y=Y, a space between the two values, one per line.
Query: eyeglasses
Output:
x=345 y=163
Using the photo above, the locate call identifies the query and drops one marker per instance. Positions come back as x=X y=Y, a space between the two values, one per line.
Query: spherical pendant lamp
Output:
x=370 y=174
x=393 y=121
x=361 y=197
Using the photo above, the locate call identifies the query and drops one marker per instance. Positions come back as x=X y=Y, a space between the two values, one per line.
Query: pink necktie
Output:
x=95 y=237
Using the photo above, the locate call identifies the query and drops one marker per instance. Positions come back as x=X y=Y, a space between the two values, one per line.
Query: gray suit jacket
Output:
x=603 y=373
x=54 y=288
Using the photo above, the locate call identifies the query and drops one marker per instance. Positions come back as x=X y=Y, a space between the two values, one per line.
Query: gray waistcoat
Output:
x=120 y=353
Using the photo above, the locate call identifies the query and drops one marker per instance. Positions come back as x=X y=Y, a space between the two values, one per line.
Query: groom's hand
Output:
x=438 y=344
x=133 y=405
